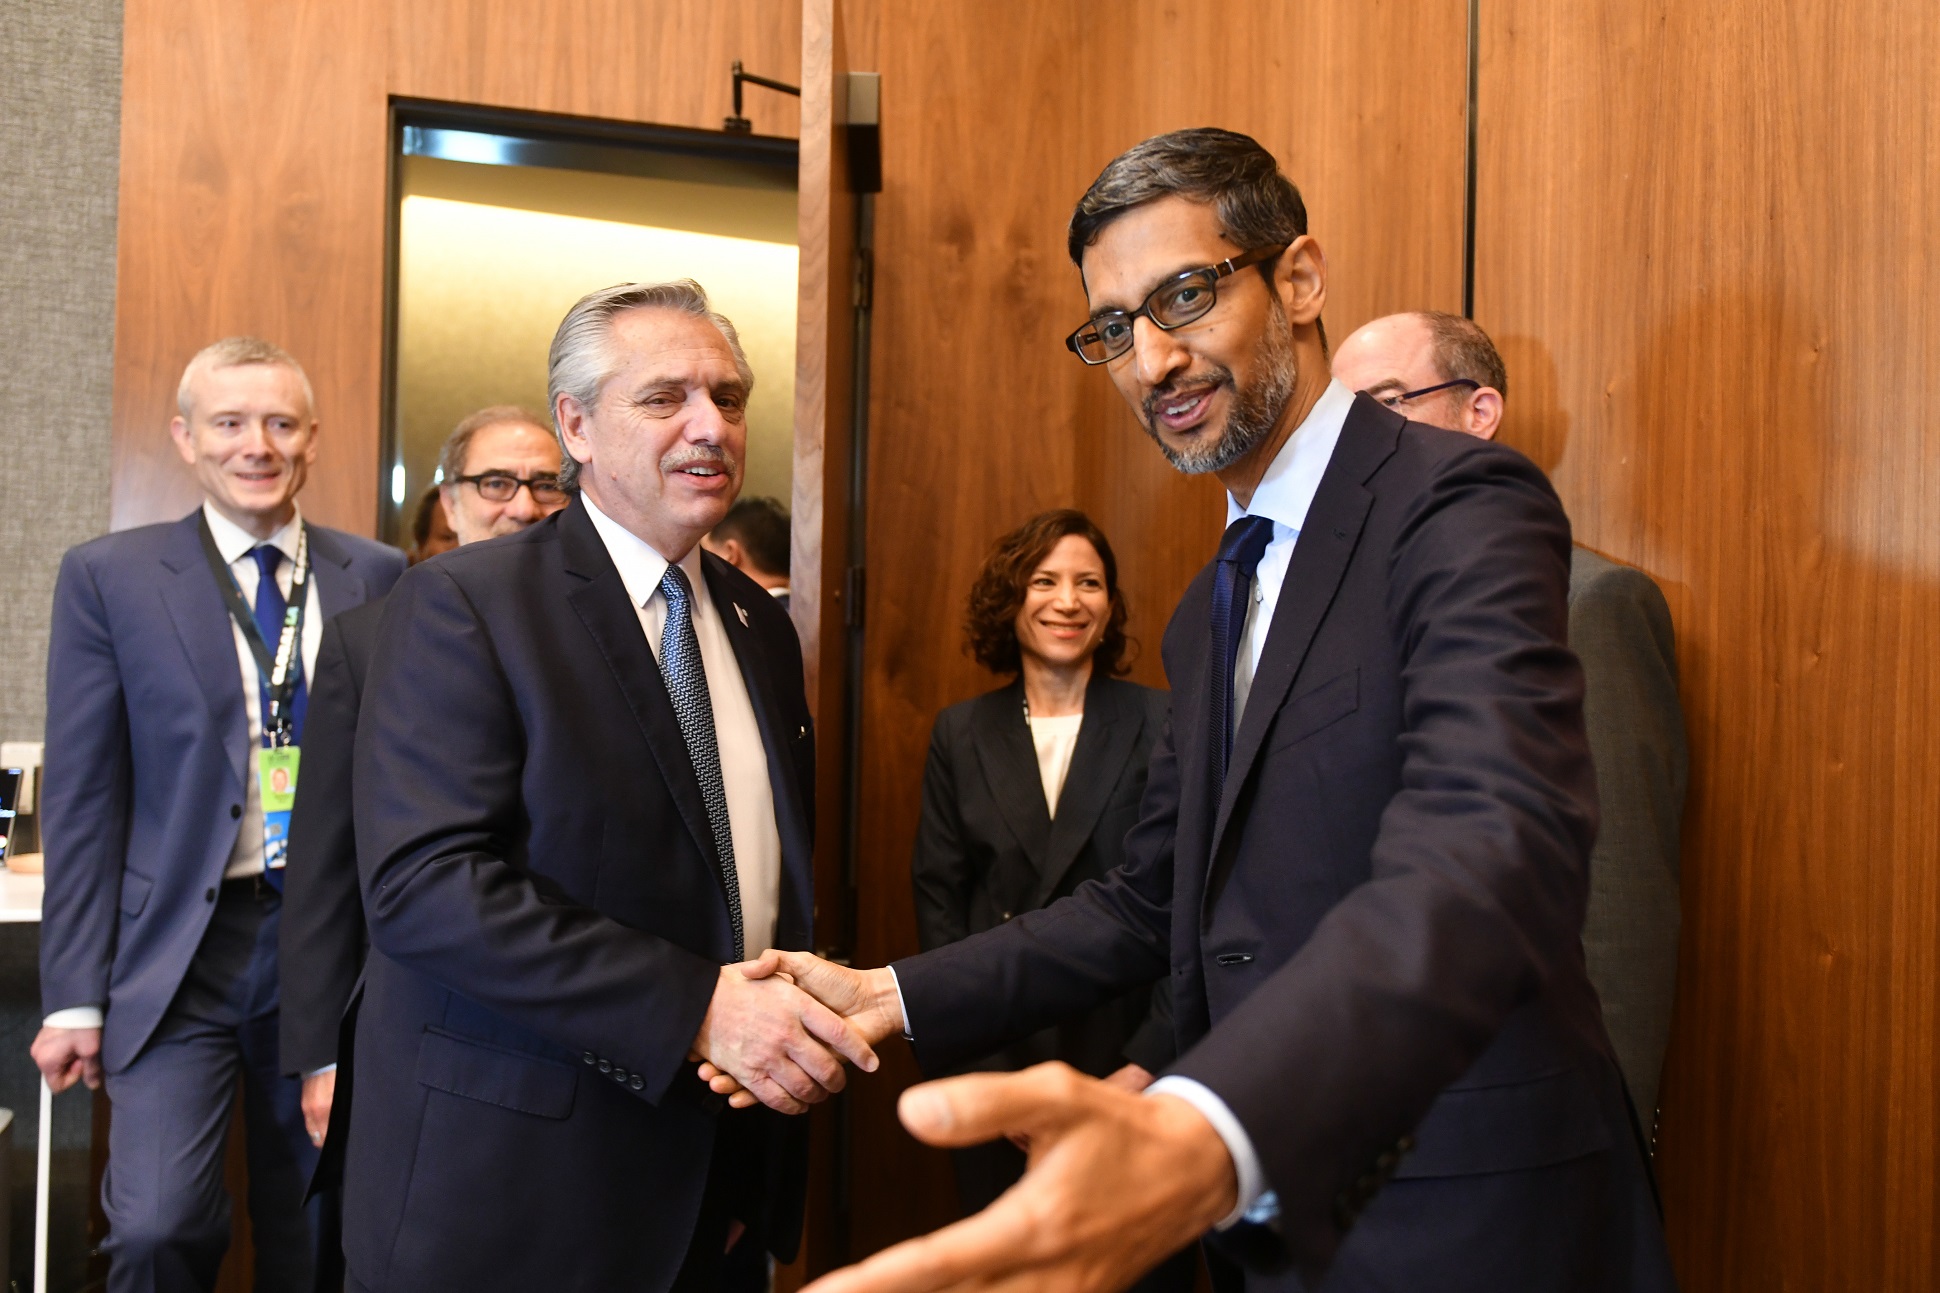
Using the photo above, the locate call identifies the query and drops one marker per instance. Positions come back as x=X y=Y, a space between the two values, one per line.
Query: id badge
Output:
x=276 y=776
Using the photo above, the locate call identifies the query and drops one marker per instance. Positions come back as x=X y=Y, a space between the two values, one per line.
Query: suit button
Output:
x=606 y=1066
x=590 y=1058
x=210 y=896
x=637 y=1083
x=235 y=811
x=619 y=1074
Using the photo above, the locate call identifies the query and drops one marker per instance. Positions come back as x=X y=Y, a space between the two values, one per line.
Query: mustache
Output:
x=1217 y=377
x=696 y=454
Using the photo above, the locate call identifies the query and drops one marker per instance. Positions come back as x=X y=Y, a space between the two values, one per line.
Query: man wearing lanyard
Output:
x=176 y=700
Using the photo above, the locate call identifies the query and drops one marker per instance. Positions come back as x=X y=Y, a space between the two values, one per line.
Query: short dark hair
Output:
x=997 y=595
x=761 y=526
x=1463 y=352
x=1256 y=204
x=451 y=458
x=421 y=519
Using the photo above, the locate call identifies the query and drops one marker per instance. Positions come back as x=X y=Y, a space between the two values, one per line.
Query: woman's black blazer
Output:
x=988 y=849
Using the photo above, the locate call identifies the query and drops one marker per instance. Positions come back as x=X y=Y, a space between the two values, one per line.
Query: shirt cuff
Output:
x=901 y=1005
x=1252 y=1181
x=74 y=1017
x=328 y=1068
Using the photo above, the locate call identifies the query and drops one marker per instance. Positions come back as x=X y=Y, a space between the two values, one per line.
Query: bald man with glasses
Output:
x=501 y=475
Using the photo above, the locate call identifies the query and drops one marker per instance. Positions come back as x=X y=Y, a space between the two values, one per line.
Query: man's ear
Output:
x=178 y=431
x=570 y=415
x=1484 y=416
x=732 y=553
x=1300 y=279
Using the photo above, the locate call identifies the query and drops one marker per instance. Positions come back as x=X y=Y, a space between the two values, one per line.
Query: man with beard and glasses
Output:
x=583 y=786
x=1361 y=856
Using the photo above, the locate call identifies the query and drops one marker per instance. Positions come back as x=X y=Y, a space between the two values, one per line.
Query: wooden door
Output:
x=825 y=350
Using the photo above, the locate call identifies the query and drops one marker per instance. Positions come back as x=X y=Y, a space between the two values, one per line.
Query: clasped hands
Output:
x=772 y=1040
x=1117 y=1181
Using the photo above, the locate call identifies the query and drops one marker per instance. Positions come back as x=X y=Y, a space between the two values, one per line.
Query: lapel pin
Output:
x=742 y=612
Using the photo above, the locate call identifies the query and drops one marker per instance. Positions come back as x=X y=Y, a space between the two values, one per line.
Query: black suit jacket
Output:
x=322 y=939
x=1374 y=934
x=548 y=921
x=989 y=848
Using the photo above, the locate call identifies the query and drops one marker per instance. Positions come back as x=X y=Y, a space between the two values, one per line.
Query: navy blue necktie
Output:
x=680 y=665
x=1240 y=549
x=270 y=609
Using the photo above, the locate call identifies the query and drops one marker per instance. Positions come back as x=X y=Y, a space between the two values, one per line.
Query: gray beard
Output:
x=1256 y=410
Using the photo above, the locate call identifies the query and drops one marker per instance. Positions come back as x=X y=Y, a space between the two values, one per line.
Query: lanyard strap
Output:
x=279 y=669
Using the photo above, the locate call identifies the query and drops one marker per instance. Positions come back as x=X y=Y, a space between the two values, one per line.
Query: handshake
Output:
x=780 y=1026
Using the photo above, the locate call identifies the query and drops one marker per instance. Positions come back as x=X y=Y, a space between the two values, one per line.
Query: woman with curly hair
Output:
x=1031 y=788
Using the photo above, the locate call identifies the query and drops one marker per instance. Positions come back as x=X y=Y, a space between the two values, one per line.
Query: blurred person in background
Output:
x=431 y=531
x=753 y=538
x=500 y=470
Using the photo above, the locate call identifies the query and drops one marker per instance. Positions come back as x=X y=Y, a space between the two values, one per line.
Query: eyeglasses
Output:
x=1396 y=401
x=499 y=487
x=1172 y=304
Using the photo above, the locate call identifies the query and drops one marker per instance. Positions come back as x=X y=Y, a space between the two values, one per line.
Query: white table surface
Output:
x=19 y=897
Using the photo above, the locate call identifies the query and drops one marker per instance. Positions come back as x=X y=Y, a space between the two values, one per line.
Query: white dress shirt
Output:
x=1056 y=740
x=1284 y=495
x=744 y=760
x=235 y=544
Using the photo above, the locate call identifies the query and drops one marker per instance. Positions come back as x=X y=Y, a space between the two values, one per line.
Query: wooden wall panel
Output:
x=253 y=159
x=1706 y=247
x=980 y=417
x=246 y=208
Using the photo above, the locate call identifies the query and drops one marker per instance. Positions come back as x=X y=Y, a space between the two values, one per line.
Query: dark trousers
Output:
x=167 y=1209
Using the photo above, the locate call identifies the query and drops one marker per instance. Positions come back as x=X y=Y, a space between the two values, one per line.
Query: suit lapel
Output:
x=1319 y=561
x=201 y=620
x=1009 y=760
x=600 y=600
x=1105 y=741
x=791 y=814
x=338 y=586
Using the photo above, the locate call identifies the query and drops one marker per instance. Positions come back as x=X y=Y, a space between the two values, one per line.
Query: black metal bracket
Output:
x=738 y=124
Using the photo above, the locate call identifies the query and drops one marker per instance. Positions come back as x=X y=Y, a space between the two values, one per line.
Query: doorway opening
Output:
x=501 y=220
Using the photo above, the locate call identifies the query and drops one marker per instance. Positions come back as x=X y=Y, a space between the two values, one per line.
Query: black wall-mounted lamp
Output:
x=738 y=124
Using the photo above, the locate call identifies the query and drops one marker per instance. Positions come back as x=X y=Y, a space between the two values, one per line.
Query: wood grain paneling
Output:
x=1706 y=246
x=245 y=208
x=980 y=417
x=253 y=195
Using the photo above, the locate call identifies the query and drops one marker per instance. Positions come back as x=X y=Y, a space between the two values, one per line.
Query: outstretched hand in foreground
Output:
x=1117 y=1182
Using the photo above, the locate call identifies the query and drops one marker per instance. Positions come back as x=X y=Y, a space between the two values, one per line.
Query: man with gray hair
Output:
x=615 y=813
x=1443 y=370
x=176 y=701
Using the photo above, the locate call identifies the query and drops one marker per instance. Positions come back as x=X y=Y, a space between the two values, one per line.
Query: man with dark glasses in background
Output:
x=501 y=474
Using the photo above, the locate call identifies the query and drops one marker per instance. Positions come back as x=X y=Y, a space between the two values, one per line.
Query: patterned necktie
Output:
x=1239 y=556
x=680 y=665
x=270 y=609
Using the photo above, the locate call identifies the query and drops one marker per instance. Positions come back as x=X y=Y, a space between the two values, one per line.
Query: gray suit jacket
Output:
x=1620 y=627
x=147 y=759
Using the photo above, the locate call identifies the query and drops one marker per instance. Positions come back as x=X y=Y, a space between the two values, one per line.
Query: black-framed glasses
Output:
x=1396 y=401
x=1172 y=304
x=503 y=487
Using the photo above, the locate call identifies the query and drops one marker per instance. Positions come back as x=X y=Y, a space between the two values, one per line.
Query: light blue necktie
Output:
x=680 y=665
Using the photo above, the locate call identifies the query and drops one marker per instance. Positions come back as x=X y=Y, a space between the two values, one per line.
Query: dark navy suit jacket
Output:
x=321 y=940
x=548 y=921
x=1374 y=936
x=148 y=756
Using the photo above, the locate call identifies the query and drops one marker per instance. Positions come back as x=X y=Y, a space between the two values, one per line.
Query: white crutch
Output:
x=42 y=1175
